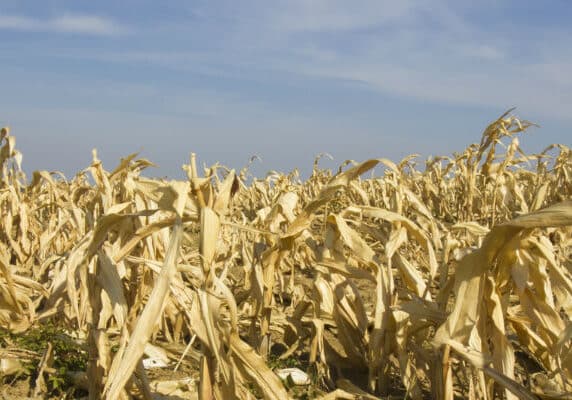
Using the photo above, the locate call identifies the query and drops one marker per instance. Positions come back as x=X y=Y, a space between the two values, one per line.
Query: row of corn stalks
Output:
x=433 y=282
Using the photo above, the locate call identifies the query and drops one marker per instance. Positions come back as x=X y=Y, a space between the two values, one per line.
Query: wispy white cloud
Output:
x=18 y=23
x=339 y=15
x=486 y=52
x=430 y=52
x=87 y=24
x=66 y=23
x=527 y=88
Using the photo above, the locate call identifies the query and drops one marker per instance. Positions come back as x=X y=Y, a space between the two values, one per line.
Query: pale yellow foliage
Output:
x=427 y=283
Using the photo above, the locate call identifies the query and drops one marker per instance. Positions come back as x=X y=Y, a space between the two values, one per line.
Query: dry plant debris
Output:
x=449 y=281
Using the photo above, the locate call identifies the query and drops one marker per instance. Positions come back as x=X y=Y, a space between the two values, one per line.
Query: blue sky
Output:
x=284 y=80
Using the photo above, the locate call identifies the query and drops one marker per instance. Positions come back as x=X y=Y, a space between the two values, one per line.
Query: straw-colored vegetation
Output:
x=451 y=280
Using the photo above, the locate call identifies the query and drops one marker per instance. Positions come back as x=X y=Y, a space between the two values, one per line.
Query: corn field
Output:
x=447 y=281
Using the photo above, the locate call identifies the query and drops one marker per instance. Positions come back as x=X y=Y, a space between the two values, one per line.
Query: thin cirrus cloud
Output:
x=321 y=16
x=431 y=53
x=66 y=23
